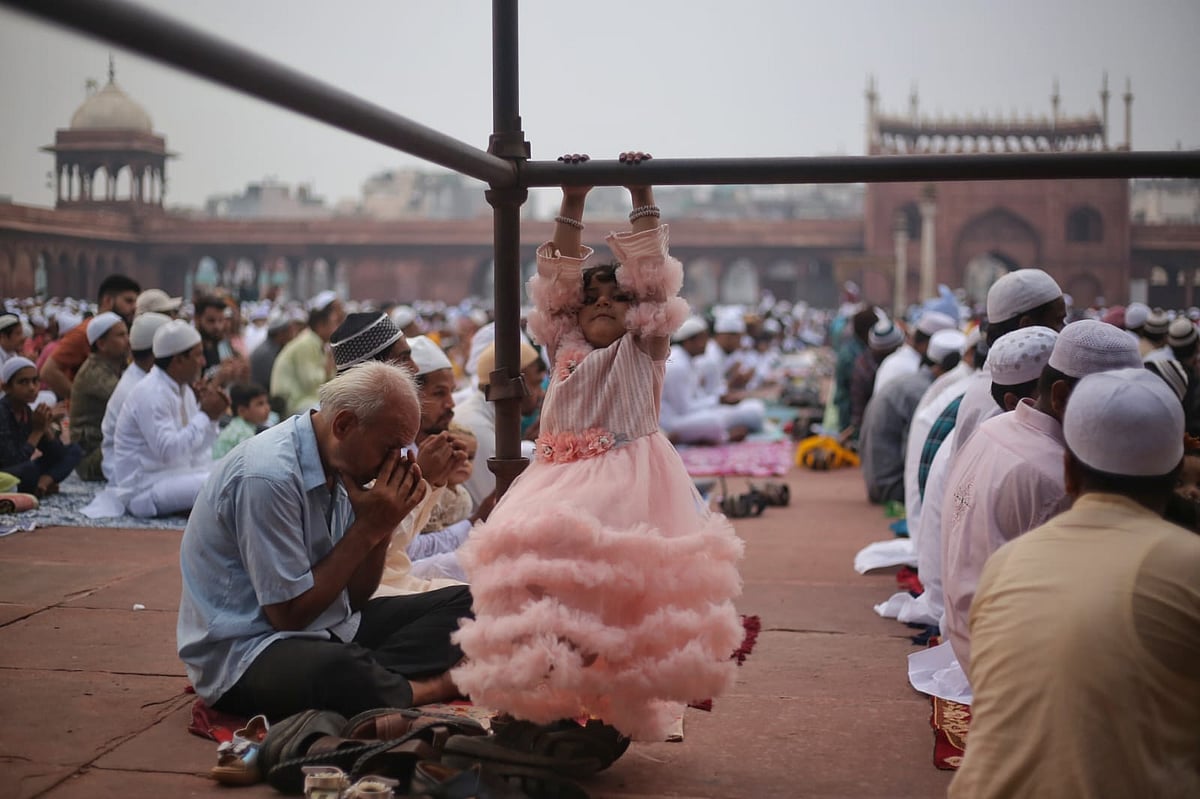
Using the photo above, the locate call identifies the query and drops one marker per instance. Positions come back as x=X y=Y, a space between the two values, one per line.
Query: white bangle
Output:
x=569 y=222
x=645 y=210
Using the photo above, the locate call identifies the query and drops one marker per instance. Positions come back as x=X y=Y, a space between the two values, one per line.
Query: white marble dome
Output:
x=111 y=109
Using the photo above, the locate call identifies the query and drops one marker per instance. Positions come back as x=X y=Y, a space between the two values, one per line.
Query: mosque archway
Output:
x=739 y=284
x=701 y=285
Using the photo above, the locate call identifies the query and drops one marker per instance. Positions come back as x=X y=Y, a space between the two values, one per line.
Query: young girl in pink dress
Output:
x=602 y=583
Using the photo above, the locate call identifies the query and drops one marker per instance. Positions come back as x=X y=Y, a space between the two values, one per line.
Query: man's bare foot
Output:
x=434 y=689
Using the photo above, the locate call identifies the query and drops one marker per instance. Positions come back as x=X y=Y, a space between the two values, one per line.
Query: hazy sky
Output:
x=680 y=78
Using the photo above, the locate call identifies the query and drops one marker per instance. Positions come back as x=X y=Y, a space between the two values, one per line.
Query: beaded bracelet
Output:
x=569 y=222
x=645 y=210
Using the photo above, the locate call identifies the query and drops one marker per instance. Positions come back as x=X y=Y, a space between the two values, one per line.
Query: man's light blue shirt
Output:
x=264 y=518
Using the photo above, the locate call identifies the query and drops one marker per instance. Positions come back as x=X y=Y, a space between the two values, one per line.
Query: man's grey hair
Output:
x=366 y=389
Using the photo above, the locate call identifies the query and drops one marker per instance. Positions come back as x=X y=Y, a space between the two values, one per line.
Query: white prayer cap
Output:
x=427 y=355
x=479 y=342
x=692 y=326
x=37 y=320
x=1182 y=332
x=1136 y=314
x=100 y=325
x=322 y=301
x=730 y=320
x=175 y=337
x=14 y=365
x=1018 y=292
x=944 y=342
x=141 y=336
x=157 y=301
x=403 y=316
x=259 y=312
x=1157 y=324
x=1020 y=356
x=1090 y=346
x=885 y=335
x=9 y=320
x=67 y=321
x=1125 y=422
x=933 y=321
x=277 y=320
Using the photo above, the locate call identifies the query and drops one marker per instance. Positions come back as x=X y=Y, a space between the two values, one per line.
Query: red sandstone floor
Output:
x=93 y=705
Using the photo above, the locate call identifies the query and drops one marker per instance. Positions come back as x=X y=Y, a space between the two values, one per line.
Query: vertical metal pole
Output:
x=507 y=141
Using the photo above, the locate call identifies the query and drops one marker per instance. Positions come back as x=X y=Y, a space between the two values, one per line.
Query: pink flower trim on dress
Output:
x=570 y=445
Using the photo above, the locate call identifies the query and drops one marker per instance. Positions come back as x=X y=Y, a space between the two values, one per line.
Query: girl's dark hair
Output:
x=602 y=273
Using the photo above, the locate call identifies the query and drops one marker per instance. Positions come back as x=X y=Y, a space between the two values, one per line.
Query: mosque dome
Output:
x=111 y=109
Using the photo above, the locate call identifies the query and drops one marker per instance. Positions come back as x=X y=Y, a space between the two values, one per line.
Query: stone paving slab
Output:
x=48 y=583
x=155 y=589
x=93 y=640
x=822 y=607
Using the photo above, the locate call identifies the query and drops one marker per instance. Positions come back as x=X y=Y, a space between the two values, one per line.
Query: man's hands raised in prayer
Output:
x=396 y=491
x=440 y=456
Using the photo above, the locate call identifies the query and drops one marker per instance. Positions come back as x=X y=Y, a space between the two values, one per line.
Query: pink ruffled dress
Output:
x=602 y=583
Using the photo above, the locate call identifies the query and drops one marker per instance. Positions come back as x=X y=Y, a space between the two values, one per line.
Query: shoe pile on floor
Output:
x=389 y=753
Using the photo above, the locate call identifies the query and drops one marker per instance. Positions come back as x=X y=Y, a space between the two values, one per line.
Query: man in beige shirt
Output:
x=1086 y=631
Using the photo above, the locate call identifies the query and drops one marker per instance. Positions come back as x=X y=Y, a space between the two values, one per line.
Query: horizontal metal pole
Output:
x=164 y=39
x=867 y=169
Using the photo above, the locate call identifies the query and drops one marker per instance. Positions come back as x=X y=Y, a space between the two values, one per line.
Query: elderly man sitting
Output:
x=163 y=441
x=286 y=547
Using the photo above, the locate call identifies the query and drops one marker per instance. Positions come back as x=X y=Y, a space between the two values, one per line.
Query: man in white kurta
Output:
x=1009 y=478
x=1023 y=298
x=164 y=435
x=907 y=360
x=690 y=414
x=141 y=341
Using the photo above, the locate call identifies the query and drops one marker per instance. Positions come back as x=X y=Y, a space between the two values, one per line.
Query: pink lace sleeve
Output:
x=557 y=293
x=655 y=278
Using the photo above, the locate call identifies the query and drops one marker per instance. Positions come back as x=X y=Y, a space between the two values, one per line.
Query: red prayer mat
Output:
x=907 y=580
x=748 y=458
x=950 y=721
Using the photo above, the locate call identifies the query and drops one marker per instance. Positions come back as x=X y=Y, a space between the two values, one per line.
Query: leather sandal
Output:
x=390 y=723
x=237 y=758
x=776 y=494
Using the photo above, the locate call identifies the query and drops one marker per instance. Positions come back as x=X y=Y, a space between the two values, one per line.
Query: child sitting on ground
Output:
x=250 y=408
x=30 y=447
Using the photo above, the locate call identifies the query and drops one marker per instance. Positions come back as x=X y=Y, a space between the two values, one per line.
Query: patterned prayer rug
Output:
x=950 y=721
x=63 y=510
x=747 y=458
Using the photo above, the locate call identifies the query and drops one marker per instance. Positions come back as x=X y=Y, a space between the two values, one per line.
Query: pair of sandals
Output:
x=755 y=501
x=439 y=756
